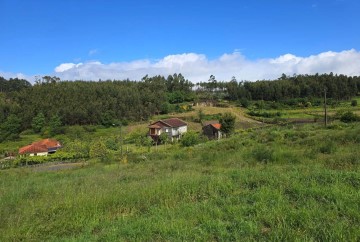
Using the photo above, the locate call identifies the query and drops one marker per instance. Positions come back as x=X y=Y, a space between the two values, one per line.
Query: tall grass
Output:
x=258 y=185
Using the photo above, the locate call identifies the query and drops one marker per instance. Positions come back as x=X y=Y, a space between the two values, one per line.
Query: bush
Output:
x=98 y=150
x=348 y=117
x=166 y=108
x=136 y=136
x=111 y=144
x=190 y=139
x=244 y=102
x=354 y=103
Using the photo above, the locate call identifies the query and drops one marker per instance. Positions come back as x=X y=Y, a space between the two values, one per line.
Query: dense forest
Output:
x=53 y=102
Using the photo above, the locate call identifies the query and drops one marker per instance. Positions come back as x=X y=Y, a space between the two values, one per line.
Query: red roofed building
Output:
x=40 y=148
x=174 y=127
x=212 y=130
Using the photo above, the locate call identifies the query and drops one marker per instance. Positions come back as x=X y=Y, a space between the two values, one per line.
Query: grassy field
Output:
x=275 y=183
x=311 y=112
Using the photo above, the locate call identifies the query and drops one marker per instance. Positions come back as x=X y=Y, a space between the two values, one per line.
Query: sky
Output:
x=110 y=39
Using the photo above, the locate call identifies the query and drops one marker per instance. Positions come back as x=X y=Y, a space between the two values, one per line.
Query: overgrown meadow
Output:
x=289 y=183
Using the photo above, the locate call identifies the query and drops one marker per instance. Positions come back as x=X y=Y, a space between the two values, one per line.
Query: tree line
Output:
x=52 y=101
x=339 y=87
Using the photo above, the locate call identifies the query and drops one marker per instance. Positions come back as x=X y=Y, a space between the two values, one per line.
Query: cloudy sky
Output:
x=251 y=40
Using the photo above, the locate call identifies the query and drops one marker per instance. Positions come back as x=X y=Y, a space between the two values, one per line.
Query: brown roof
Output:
x=33 y=148
x=171 y=122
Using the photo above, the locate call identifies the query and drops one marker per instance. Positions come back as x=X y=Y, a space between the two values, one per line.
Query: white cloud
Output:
x=8 y=75
x=197 y=67
x=66 y=66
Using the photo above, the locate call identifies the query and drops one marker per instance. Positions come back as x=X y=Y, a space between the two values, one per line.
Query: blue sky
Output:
x=127 y=39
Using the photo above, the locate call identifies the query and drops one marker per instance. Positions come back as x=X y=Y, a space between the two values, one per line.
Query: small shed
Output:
x=212 y=130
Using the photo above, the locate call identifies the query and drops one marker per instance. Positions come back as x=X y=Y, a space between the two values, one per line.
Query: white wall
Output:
x=179 y=130
x=40 y=154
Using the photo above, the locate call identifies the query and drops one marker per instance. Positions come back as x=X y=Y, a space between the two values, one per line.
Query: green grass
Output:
x=276 y=183
x=306 y=113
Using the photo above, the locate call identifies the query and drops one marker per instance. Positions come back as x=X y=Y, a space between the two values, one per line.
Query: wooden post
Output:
x=325 y=107
x=121 y=142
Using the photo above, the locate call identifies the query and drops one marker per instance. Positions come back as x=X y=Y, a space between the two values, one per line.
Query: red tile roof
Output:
x=40 y=146
x=49 y=143
x=33 y=148
x=216 y=126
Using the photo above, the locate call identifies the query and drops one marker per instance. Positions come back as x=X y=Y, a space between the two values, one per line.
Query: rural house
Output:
x=40 y=148
x=174 y=127
x=212 y=130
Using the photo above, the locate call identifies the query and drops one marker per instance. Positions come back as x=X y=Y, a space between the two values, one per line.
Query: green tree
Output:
x=227 y=122
x=38 y=122
x=11 y=128
x=98 y=151
x=107 y=118
x=55 y=125
x=189 y=139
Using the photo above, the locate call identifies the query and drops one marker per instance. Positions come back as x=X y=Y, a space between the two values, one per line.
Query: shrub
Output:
x=354 y=103
x=348 y=117
x=190 y=139
x=308 y=104
x=98 y=150
x=164 y=138
x=166 y=108
x=136 y=136
x=244 y=102
x=111 y=144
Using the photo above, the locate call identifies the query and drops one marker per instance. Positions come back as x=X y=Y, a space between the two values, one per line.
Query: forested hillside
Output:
x=22 y=105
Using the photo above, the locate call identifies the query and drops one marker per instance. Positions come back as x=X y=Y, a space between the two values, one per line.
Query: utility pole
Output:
x=121 y=142
x=325 y=108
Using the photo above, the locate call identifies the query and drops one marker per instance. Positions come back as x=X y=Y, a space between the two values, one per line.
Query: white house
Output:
x=40 y=148
x=174 y=127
